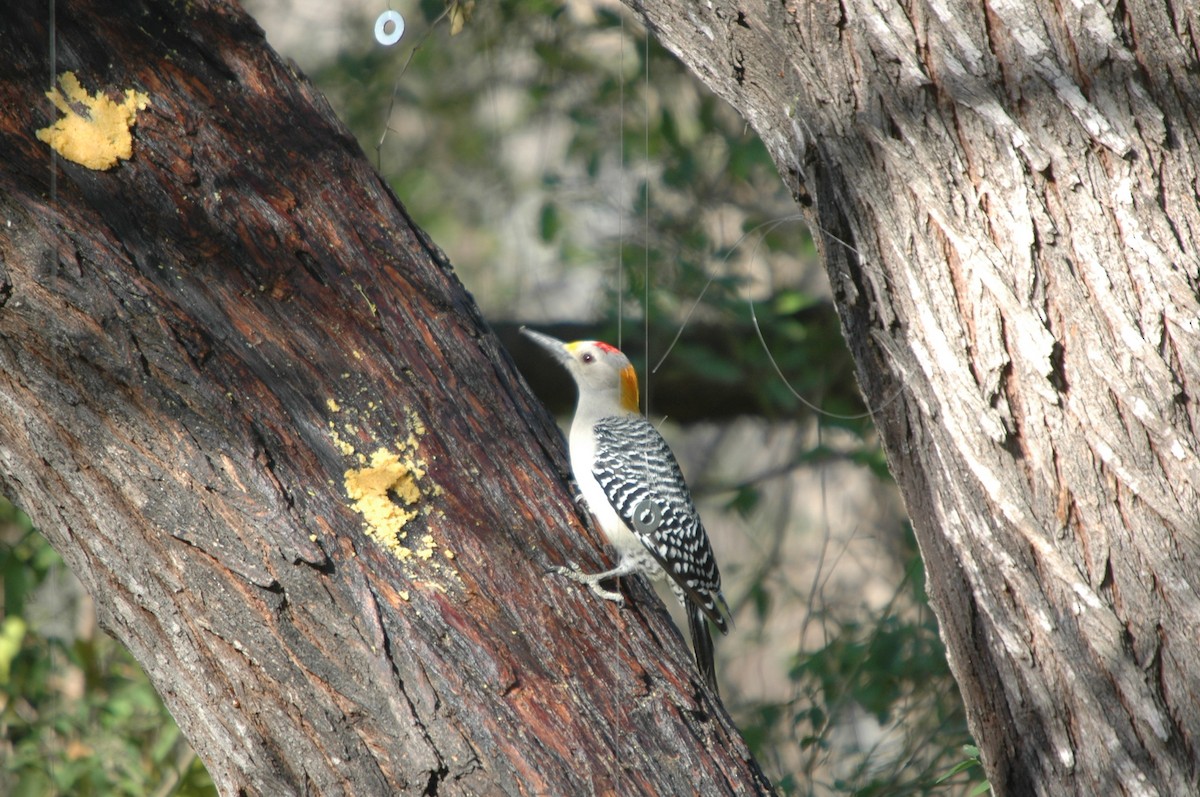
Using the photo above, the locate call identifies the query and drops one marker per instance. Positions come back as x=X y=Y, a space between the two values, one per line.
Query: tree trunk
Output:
x=253 y=408
x=1006 y=195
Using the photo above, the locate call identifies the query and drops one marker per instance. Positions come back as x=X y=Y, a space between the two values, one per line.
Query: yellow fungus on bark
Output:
x=94 y=131
x=391 y=489
x=386 y=493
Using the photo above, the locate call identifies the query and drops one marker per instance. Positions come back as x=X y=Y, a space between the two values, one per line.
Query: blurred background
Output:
x=582 y=182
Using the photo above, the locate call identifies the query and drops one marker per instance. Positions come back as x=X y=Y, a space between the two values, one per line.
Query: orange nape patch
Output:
x=629 y=388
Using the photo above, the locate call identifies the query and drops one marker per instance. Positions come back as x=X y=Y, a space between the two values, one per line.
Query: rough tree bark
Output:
x=1006 y=193
x=217 y=342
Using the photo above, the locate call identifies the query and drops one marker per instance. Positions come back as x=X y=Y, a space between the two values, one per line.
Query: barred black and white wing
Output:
x=641 y=478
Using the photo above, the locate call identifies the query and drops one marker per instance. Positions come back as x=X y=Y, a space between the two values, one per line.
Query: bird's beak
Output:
x=553 y=345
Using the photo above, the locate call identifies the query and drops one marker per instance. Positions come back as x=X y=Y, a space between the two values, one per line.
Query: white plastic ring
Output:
x=646 y=517
x=382 y=34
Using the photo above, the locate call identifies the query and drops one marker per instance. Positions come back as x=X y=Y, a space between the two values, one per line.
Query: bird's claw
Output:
x=615 y=597
x=574 y=572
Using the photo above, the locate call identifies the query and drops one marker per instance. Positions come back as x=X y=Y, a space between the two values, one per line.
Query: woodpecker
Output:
x=632 y=484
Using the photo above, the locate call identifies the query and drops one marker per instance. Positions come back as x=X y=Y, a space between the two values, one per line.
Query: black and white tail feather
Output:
x=641 y=478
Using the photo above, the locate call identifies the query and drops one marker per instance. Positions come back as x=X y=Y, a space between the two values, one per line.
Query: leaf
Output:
x=549 y=222
x=164 y=744
x=971 y=761
x=788 y=302
x=744 y=501
x=961 y=766
x=12 y=632
x=762 y=602
x=460 y=14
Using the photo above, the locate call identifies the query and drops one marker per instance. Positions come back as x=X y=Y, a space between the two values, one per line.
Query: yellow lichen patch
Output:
x=418 y=426
x=391 y=490
x=342 y=445
x=385 y=492
x=427 y=547
x=94 y=131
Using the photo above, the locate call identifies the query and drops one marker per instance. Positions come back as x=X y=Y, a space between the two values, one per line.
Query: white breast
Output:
x=583 y=448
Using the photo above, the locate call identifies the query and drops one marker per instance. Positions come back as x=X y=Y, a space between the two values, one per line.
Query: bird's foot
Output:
x=592 y=580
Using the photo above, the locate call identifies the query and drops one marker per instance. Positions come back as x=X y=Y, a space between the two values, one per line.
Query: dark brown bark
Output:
x=1006 y=197
x=198 y=342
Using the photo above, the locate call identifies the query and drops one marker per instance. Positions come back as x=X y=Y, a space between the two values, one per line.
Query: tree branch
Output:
x=207 y=350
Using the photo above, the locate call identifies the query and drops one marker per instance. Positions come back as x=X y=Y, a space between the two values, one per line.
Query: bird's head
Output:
x=600 y=370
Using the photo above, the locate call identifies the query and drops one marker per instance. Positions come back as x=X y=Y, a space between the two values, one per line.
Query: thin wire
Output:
x=387 y=119
x=646 y=242
x=771 y=225
x=509 y=231
x=626 y=688
x=53 y=77
x=621 y=194
x=779 y=371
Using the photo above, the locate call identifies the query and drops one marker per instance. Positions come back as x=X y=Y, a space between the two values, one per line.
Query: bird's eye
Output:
x=587 y=358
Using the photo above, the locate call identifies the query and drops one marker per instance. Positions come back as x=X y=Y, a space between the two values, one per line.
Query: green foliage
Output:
x=533 y=106
x=880 y=676
x=638 y=172
x=966 y=765
x=77 y=715
x=652 y=181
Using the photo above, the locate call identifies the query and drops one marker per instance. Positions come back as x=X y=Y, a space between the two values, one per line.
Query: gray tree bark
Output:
x=1006 y=196
x=251 y=405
